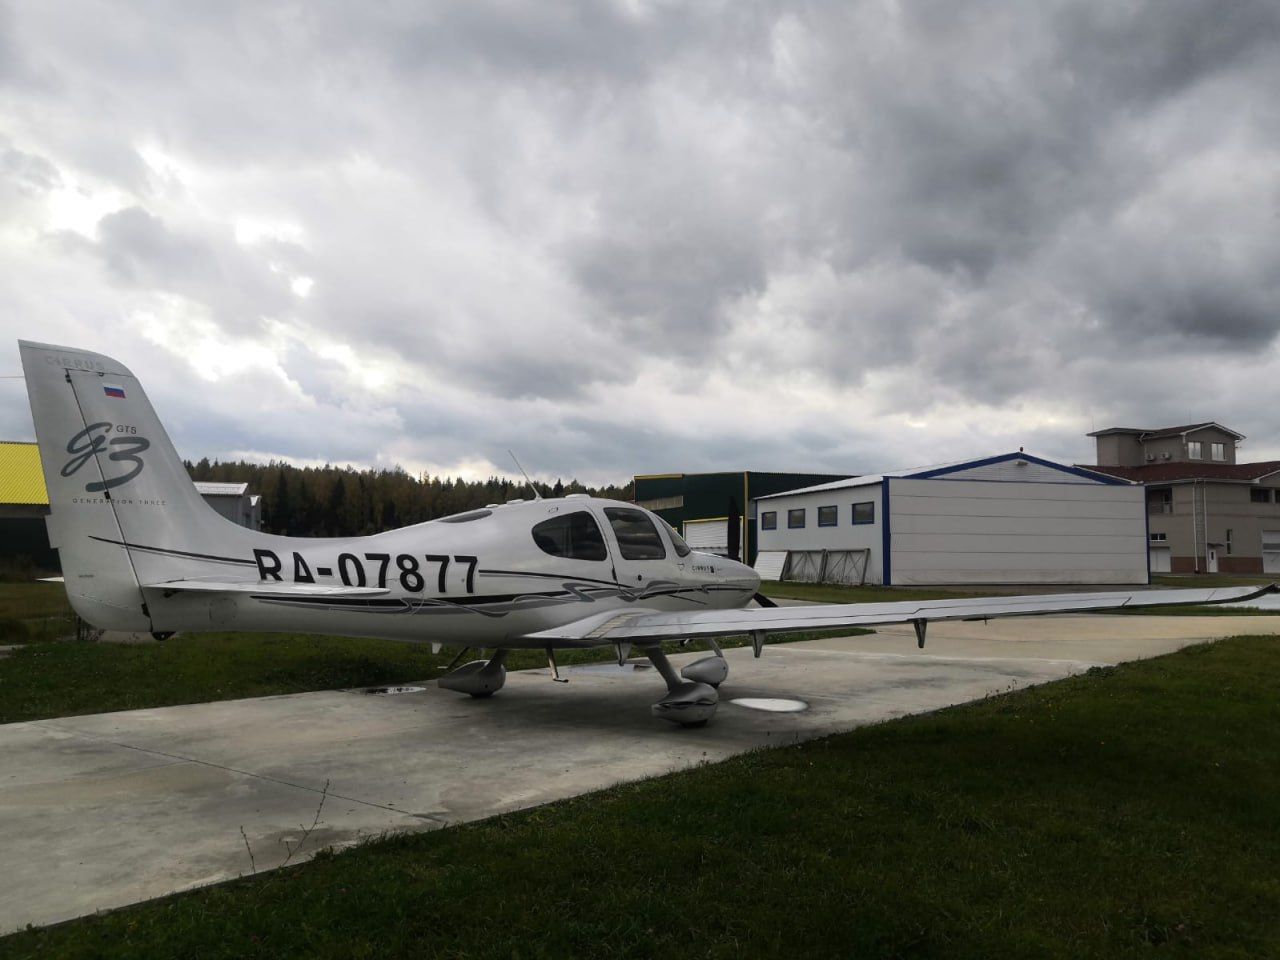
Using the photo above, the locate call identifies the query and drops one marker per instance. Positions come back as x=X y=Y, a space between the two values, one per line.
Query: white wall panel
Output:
x=1033 y=526
x=1011 y=505
x=843 y=536
x=971 y=543
x=949 y=531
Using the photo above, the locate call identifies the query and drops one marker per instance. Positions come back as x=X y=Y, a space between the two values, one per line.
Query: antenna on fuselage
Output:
x=536 y=494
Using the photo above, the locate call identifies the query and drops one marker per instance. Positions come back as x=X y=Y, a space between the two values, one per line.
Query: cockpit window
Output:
x=575 y=536
x=637 y=537
x=677 y=541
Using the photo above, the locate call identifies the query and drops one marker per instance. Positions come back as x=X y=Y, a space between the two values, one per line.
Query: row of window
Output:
x=827 y=516
x=1161 y=501
x=1195 y=450
x=1164 y=538
x=577 y=536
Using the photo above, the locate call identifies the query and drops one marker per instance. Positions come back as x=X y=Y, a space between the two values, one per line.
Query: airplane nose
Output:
x=744 y=572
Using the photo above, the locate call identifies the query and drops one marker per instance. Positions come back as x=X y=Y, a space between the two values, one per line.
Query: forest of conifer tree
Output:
x=341 y=501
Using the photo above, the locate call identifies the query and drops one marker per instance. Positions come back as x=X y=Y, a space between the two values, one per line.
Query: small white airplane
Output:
x=141 y=551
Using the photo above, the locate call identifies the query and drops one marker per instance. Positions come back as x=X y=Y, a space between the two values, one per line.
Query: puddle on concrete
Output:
x=771 y=704
x=391 y=691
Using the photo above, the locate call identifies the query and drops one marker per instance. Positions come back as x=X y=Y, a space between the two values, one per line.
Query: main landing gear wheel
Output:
x=479 y=678
x=689 y=703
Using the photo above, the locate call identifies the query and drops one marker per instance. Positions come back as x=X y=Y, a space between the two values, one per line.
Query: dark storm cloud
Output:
x=138 y=248
x=142 y=252
x=1133 y=54
x=667 y=292
x=632 y=235
x=29 y=174
x=532 y=42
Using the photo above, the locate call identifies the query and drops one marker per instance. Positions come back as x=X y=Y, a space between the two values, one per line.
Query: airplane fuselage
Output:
x=484 y=577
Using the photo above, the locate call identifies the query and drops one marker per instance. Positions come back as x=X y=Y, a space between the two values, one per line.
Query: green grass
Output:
x=1187 y=581
x=1210 y=610
x=1128 y=812
x=32 y=612
x=836 y=593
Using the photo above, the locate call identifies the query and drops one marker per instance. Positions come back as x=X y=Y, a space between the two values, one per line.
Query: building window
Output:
x=769 y=520
x=1218 y=451
x=1159 y=537
x=795 y=519
x=1160 y=500
x=864 y=512
x=827 y=516
x=1194 y=451
x=1228 y=541
x=1260 y=495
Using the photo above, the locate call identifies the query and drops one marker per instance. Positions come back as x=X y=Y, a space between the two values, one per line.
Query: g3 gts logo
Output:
x=92 y=440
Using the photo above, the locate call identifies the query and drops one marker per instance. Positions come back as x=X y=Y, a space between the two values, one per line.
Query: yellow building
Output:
x=21 y=479
x=24 y=503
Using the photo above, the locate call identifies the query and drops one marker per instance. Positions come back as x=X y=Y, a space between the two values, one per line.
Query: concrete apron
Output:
x=101 y=811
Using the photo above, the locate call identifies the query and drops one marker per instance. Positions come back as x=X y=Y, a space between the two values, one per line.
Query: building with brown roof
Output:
x=1206 y=512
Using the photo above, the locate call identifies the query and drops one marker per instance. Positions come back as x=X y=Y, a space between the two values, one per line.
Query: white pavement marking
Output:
x=101 y=811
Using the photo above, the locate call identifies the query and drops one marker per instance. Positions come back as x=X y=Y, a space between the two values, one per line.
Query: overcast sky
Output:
x=640 y=237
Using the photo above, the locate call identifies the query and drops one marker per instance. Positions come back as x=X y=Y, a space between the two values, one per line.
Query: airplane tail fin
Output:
x=123 y=510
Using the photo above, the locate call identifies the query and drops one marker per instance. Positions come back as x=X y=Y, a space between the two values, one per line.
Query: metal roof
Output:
x=1155 y=433
x=942 y=469
x=1183 y=471
x=210 y=488
x=21 y=476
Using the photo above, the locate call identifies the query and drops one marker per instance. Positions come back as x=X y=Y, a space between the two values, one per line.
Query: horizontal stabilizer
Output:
x=52 y=580
x=638 y=626
x=266 y=588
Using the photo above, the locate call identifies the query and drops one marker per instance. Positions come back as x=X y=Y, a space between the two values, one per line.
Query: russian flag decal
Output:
x=110 y=391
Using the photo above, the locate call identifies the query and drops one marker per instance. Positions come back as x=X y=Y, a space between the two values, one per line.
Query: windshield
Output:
x=677 y=541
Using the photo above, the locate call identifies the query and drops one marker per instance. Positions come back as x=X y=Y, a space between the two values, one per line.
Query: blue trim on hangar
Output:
x=886 y=562
x=1005 y=458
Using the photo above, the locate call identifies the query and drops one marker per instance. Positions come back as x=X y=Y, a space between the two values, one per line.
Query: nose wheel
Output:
x=689 y=703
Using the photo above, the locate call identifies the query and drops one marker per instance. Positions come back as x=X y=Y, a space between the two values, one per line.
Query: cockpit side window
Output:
x=677 y=541
x=575 y=536
x=638 y=538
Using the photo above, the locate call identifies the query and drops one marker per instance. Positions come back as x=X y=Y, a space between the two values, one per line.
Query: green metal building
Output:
x=715 y=511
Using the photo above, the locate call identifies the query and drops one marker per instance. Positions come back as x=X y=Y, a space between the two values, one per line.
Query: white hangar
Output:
x=1013 y=518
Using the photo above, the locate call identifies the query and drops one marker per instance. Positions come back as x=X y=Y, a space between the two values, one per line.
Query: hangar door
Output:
x=710 y=536
x=1271 y=551
x=972 y=531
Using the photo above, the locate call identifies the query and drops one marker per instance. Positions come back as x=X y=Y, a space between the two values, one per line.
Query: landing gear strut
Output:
x=690 y=703
x=479 y=678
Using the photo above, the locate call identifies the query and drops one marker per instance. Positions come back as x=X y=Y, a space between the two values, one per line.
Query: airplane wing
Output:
x=268 y=588
x=640 y=626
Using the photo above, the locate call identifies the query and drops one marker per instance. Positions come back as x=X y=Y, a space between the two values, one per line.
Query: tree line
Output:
x=333 y=501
